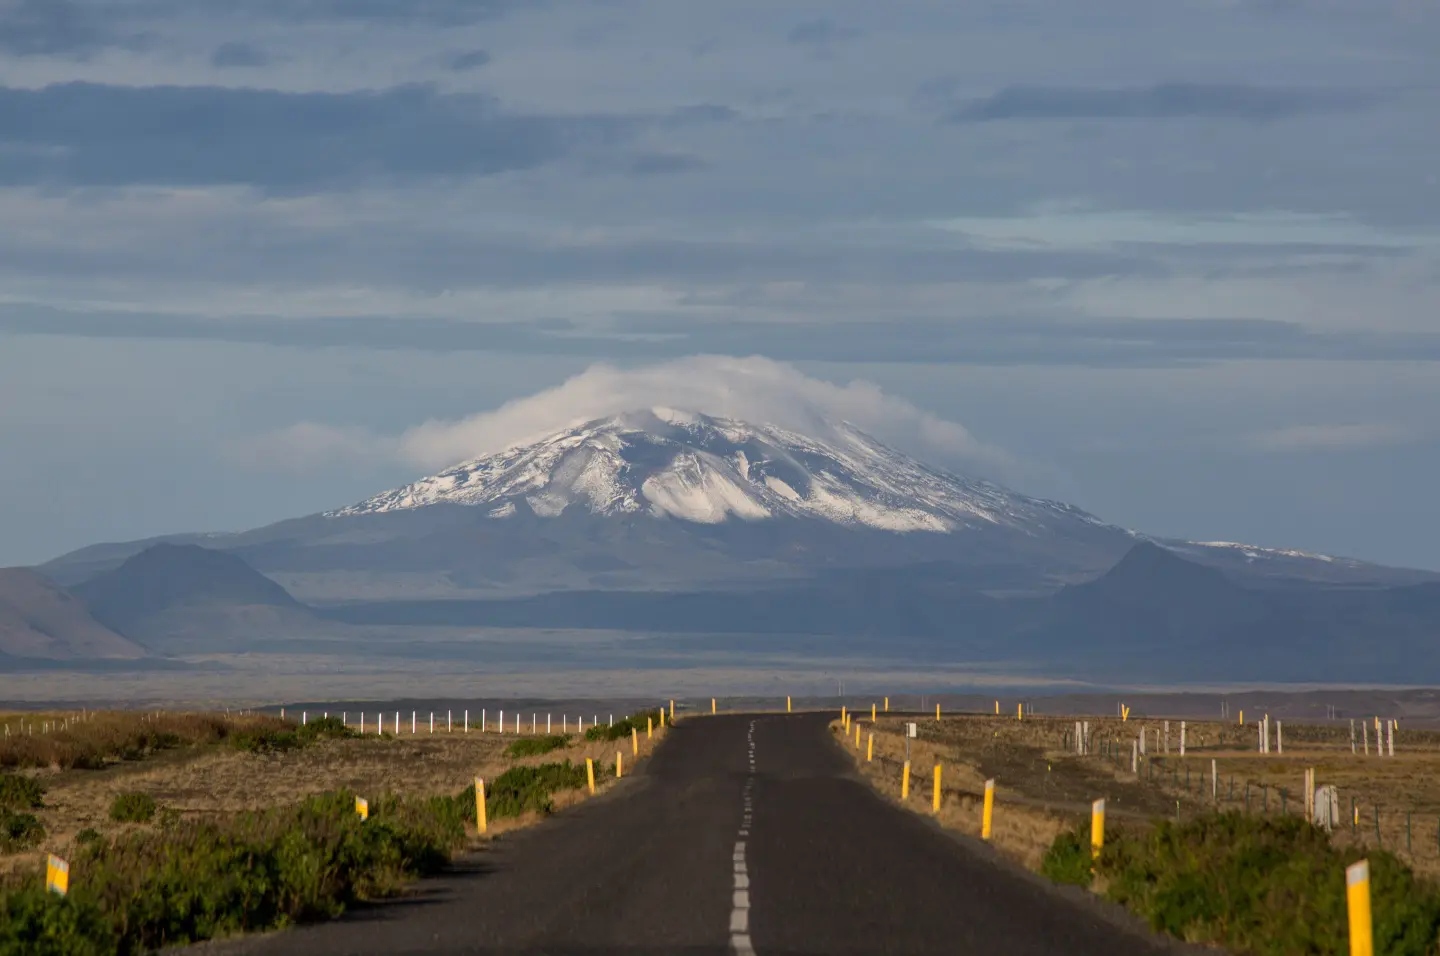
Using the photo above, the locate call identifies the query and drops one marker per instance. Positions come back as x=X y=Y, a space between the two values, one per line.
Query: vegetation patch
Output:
x=19 y=831
x=133 y=808
x=158 y=888
x=108 y=737
x=637 y=723
x=20 y=793
x=521 y=790
x=1261 y=885
x=274 y=738
x=535 y=746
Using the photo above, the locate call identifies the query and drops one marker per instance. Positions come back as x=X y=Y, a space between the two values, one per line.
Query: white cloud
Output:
x=1335 y=437
x=751 y=389
x=309 y=446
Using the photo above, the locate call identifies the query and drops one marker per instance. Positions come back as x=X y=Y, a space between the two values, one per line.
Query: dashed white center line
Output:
x=740 y=902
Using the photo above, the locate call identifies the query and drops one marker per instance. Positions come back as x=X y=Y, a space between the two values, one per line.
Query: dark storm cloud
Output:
x=90 y=134
x=1162 y=101
x=1007 y=341
x=467 y=60
x=56 y=28
x=237 y=53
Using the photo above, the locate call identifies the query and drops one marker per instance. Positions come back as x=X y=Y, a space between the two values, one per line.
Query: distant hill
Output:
x=41 y=621
x=179 y=598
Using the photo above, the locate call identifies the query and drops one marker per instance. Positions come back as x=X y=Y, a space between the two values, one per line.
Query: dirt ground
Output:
x=1043 y=785
x=213 y=780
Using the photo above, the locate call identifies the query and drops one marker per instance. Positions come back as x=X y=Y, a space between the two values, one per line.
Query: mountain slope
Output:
x=41 y=621
x=185 y=598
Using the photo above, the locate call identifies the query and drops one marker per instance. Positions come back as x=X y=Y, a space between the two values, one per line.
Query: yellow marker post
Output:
x=905 y=782
x=1357 y=898
x=590 y=772
x=1124 y=713
x=635 y=740
x=935 y=794
x=362 y=808
x=857 y=736
x=662 y=718
x=482 y=823
x=57 y=875
x=887 y=705
x=619 y=765
x=872 y=713
x=1020 y=711
x=1241 y=721
x=843 y=716
x=672 y=712
x=987 y=816
x=649 y=727
x=787 y=703
x=937 y=712
x=712 y=706
x=997 y=708
x=870 y=749
x=1097 y=828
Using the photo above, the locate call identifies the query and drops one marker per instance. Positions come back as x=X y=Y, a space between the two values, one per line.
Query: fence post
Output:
x=1357 y=899
x=987 y=816
x=1182 y=738
x=1279 y=736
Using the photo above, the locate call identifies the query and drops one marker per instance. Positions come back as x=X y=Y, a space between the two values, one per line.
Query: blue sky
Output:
x=1178 y=263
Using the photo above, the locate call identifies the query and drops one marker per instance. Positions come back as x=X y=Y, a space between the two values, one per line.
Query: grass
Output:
x=535 y=746
x=636 y=725
x=1193 y=866
x=153 y=889
x=20 y=793
x=102 y=738
x=1261 y=886
x=133 y=808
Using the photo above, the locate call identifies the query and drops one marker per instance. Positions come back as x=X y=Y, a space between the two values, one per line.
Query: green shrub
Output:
x=534 y=746
x=19 y=831
x=1068 y=860
x=280 y=737
x=636 y=722
x=522 y=790
x=156 y=888
x=88 y=835
x=1260 y=885
x=133 y=808
x=20 y=793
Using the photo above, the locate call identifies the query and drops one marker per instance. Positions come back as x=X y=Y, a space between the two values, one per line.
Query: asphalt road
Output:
x=703 y=854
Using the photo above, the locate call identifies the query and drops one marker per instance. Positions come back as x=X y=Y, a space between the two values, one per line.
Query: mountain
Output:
x=661 y=499
x=184 y=598
x=39 y=620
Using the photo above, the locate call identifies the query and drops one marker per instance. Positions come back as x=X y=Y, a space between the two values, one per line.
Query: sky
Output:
x=1177 y=263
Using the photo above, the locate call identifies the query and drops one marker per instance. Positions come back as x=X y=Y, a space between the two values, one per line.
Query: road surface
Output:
x=744 y=835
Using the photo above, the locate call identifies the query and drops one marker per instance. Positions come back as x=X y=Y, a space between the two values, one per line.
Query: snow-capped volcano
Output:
x=708 y=470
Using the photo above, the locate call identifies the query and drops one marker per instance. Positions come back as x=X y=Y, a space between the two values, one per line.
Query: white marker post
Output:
x=1182 y=738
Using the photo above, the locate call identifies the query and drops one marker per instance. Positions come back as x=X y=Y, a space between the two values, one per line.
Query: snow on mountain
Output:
x=707 y=470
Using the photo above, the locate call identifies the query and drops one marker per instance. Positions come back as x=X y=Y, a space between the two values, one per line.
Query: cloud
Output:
x=751 y=389
x=820 y=33
x=1335 y=437
x=660 y=164
x=94 y=134
x=467 y=60
x=237 y=53
x=48 y=28
x=1161 y=101
x=307 y=447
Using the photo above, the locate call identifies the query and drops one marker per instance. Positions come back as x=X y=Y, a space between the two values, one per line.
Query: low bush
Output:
x=534 y=746
x=88 y=835
x=1260 y=885
x=635 y=722
x=109 y=736
x=273 y=738
x=20 y=793
x=522 y=790
x=19 y=831
x=1069 y=859
x=157 y=888
x=132 y=808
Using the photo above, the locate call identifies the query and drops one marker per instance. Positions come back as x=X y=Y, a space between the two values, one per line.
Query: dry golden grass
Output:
x=1042 y=784
x=216 y=780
